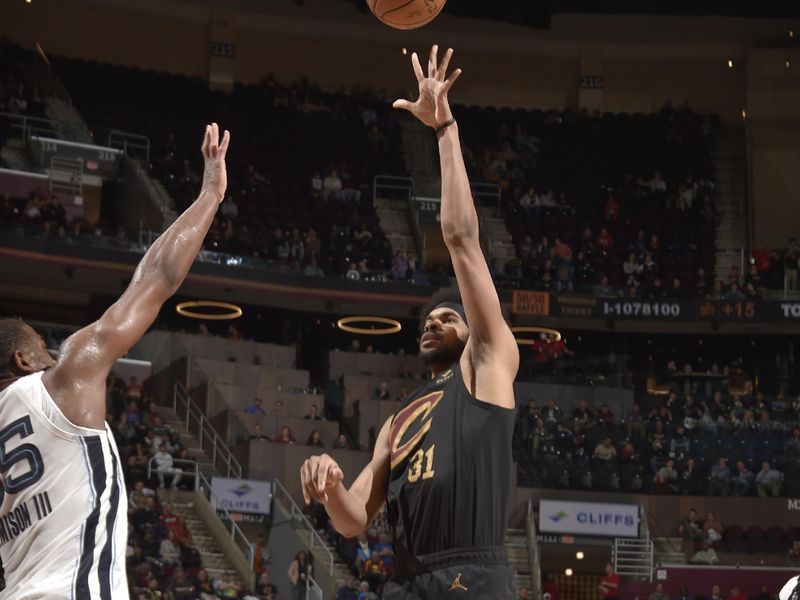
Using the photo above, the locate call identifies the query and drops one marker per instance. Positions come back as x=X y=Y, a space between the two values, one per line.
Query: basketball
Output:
x=406 y=14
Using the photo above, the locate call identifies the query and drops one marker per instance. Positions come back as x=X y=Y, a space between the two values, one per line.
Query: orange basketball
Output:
x=406 y=14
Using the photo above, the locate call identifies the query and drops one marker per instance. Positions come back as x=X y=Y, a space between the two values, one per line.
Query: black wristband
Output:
x=445 y=125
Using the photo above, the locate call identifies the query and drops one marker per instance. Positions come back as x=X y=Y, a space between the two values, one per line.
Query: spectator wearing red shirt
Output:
x=563 y=251
x=173 y=522
x=737 y=594
x=550 y=586
x=609 y=584
x=611 y=209
x=762 y=258
x=285 y=436
x=604 y=240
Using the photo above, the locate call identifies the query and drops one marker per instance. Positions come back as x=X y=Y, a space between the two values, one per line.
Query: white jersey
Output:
x=63 y=507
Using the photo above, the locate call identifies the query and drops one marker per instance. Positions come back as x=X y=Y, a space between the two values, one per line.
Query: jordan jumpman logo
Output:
x=457 y=585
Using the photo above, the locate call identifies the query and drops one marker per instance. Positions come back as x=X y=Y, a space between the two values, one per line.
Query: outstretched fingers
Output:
x=451 y=80
x=432 y=59
x=223 y=147
x=206 y=141
x=417 y=67
x=442 y=71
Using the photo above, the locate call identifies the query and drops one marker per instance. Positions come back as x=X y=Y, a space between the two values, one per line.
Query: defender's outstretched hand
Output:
x=215 y=175
x=432 y=106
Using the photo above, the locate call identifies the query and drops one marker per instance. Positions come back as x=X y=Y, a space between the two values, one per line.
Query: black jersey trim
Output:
x=106 y=556
x=481 y=403
x=97 y=468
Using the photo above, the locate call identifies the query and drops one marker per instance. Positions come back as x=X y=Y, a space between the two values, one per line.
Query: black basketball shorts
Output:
x=462 y=574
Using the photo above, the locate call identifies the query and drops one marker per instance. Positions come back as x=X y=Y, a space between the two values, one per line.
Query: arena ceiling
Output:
x=537 y=13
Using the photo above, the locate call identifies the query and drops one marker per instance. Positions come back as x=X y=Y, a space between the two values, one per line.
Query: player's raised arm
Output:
x=87 y=356
x=490 y=339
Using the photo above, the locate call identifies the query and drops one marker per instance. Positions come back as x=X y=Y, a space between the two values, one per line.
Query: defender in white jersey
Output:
x=63 y=504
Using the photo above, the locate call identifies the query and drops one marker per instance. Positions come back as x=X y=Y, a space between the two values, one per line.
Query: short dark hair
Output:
x=12 y=335
x=448 y=294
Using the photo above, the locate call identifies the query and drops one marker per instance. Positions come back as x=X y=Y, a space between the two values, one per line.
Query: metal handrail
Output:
x=316 y=539
x=312 y=586
x=125 y=141
x=30 y=125
x=202 y=483
x=533 y=553
x=205 y=432
x=194 y=471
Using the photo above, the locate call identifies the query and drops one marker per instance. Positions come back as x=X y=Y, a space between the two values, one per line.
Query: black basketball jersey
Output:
x=450 y=469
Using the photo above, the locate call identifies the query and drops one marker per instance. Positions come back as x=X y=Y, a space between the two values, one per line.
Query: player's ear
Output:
x=22 y=362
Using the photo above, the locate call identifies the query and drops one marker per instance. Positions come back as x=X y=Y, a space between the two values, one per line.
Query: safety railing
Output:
x=27 y=126
x=316 y=540
x=313 y=591
x=533 y=553
x=132 y=144
x=210 y=441
x=237 y=535
x=181 y=468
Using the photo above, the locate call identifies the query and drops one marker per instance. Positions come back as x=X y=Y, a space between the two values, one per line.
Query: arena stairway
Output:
x=517 y=549
x=188 y=441
x=729 y=163
x=394 y=223
x=214 y=560
x=668 y=551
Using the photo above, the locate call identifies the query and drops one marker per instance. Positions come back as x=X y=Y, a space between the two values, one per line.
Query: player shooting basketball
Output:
x=63 y=506
x=443 y=463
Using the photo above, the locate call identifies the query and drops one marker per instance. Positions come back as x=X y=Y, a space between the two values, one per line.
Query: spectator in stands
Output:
x=363 y=552
x=382 y=392
x=180 y=587
x=285 y=436
x=313 y=413
x=742 y=479
x=793 y=555
x=768 y=480
x=736 y=594
x=278 y=409
x=258 y=435
x=353 y=273
x=165 y=465
x=299 y=571
x=256 y=407
x=712 y=528
x=609 y=583
x=691 y=528
x=313 y=269
x=764 y=594
x=583 y=416
x=262 y=557
x=719 y=483
x=659 y=593
x=348 y=591
x=314 y=439
x=791 y=256
x=716 y=593
x=605 y=451
x=605 y=242
x=374 y=571
x=683 y=594
x=666 y=478
x=265 y=588
x=342 y=442
x=170 y=550
x=706 y=555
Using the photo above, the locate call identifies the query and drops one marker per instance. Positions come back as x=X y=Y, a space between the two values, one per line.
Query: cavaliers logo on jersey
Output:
x=417 y=415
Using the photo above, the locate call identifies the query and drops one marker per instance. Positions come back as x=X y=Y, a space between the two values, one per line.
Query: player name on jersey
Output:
x=20 y=518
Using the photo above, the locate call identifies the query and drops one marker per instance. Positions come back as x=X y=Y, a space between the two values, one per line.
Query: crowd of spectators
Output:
x=163 y=561
x=615 y=203
x=731 y=441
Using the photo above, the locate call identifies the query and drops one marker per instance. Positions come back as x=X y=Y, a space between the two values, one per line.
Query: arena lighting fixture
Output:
x=532 y=329
x=392 y=325
x=730 y=63
x=187 y=309
x=568 y=572
x=579 y=555
x=404 y=51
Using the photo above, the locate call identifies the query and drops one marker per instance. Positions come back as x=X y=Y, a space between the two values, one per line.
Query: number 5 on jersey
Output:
x=416 y=461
